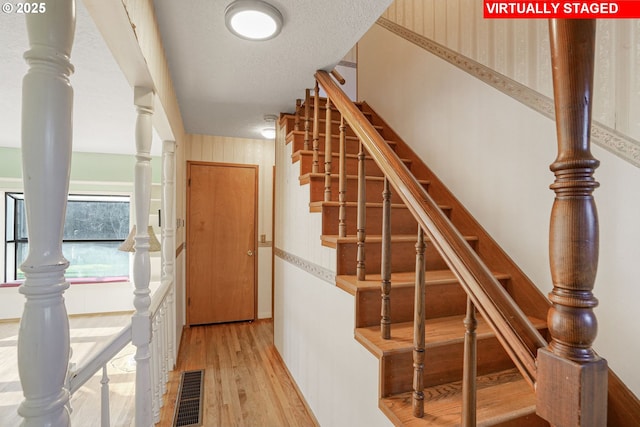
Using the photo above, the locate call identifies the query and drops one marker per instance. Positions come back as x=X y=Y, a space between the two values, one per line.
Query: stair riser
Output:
x=531 y=420
x=442 y=365
x=447 y=299
x=373 y=190
x=335 y=115
x=306 y=164
x=402 y=222
x=352 y=145
x=403 y=257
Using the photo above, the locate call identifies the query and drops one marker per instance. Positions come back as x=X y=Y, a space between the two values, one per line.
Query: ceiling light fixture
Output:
x=253 y=19
x=269 y=132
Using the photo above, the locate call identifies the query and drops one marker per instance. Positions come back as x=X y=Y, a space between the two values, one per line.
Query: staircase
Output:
x=503 y=397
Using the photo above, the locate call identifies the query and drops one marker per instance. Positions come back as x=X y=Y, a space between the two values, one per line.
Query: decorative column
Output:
x=342 y=181
x=141 y=320
x=470 y=367
x=419 y=327
x=168 y=240
x=385 y=270
x=47 y=112
x=572 y=378
x=316 y=129
x=327 y=152
x=361 y=225
x=307 y=119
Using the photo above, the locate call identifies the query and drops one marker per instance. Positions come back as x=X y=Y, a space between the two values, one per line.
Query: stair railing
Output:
x=161 y=345
x=513 y=329
x=95 y=361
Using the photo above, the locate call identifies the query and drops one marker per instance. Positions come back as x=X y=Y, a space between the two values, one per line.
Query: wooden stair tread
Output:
x=439 y=331
x=401 y=279
x=333 y=240
x=334 y=203
x=307 y=176
x=337 y=154
x=321 y=135
x=501 y=397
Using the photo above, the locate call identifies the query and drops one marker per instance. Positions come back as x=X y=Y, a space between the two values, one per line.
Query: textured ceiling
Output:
x=225 y=85
x=103 y=112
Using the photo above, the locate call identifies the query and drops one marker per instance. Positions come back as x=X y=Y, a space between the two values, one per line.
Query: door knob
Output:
x=250 y=252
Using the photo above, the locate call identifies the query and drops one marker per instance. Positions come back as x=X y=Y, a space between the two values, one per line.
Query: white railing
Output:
x=162 y=345
x=94 y=362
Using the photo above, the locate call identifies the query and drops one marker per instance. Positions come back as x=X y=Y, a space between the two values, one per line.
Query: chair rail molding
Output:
x=311 y=268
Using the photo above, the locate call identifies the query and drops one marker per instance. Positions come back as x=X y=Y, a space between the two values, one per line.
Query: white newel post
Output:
x=141 y=320
x=47 y=106
x=168 y=241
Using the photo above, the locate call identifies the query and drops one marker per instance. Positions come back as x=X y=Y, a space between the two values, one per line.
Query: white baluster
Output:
x=105 y=419
x=163 y=349
x=155 y=370
x=168 y=238
x=141 y=320
x=47 y=107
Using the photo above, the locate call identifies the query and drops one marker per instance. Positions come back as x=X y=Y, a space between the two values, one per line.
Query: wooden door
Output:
x=222 y=207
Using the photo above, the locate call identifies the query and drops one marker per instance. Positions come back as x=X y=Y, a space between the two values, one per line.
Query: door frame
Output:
x=255 y=233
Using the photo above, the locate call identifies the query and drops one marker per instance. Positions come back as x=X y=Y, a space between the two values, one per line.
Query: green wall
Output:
x=85 y=166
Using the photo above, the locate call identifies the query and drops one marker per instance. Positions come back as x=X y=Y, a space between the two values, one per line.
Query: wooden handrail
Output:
x=338 y=76
x=516 y=333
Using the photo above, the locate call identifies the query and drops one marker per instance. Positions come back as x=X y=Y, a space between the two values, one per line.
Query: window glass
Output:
x=94 y=228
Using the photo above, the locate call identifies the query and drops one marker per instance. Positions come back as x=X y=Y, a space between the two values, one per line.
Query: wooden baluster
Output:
x=342 y=185
x=105 y=417
x=573 y=242
x=296 y=123
x=307 y=119
x=141 y=319
x=316 y=130
x=362 y=206
x=470 y=368
x=47 y=112
x=168 y=237
x=419 y=329
x=327 y=153
x=385 y=315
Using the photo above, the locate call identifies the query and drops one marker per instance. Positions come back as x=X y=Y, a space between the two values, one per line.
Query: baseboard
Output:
x=295 y=385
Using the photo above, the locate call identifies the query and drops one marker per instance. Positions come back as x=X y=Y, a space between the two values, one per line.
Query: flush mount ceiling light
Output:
x=269 y=132
x=253 y=19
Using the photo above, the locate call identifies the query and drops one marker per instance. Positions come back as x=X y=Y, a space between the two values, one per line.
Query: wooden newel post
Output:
x=572 y=378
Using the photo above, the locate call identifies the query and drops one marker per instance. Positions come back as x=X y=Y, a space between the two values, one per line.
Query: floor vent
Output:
x=189 y=404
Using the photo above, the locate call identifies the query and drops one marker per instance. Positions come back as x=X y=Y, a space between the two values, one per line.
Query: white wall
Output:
x=494 y=154
x=314 y=320
x=79 y=299
x=313 y=332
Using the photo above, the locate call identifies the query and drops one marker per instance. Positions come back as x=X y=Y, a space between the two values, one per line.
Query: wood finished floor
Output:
x=245 y=381
x=87 y=333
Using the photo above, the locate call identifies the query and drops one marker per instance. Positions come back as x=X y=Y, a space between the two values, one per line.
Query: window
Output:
x=94 y=228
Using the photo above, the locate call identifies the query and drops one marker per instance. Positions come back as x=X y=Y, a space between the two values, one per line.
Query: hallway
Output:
x=245 y=381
